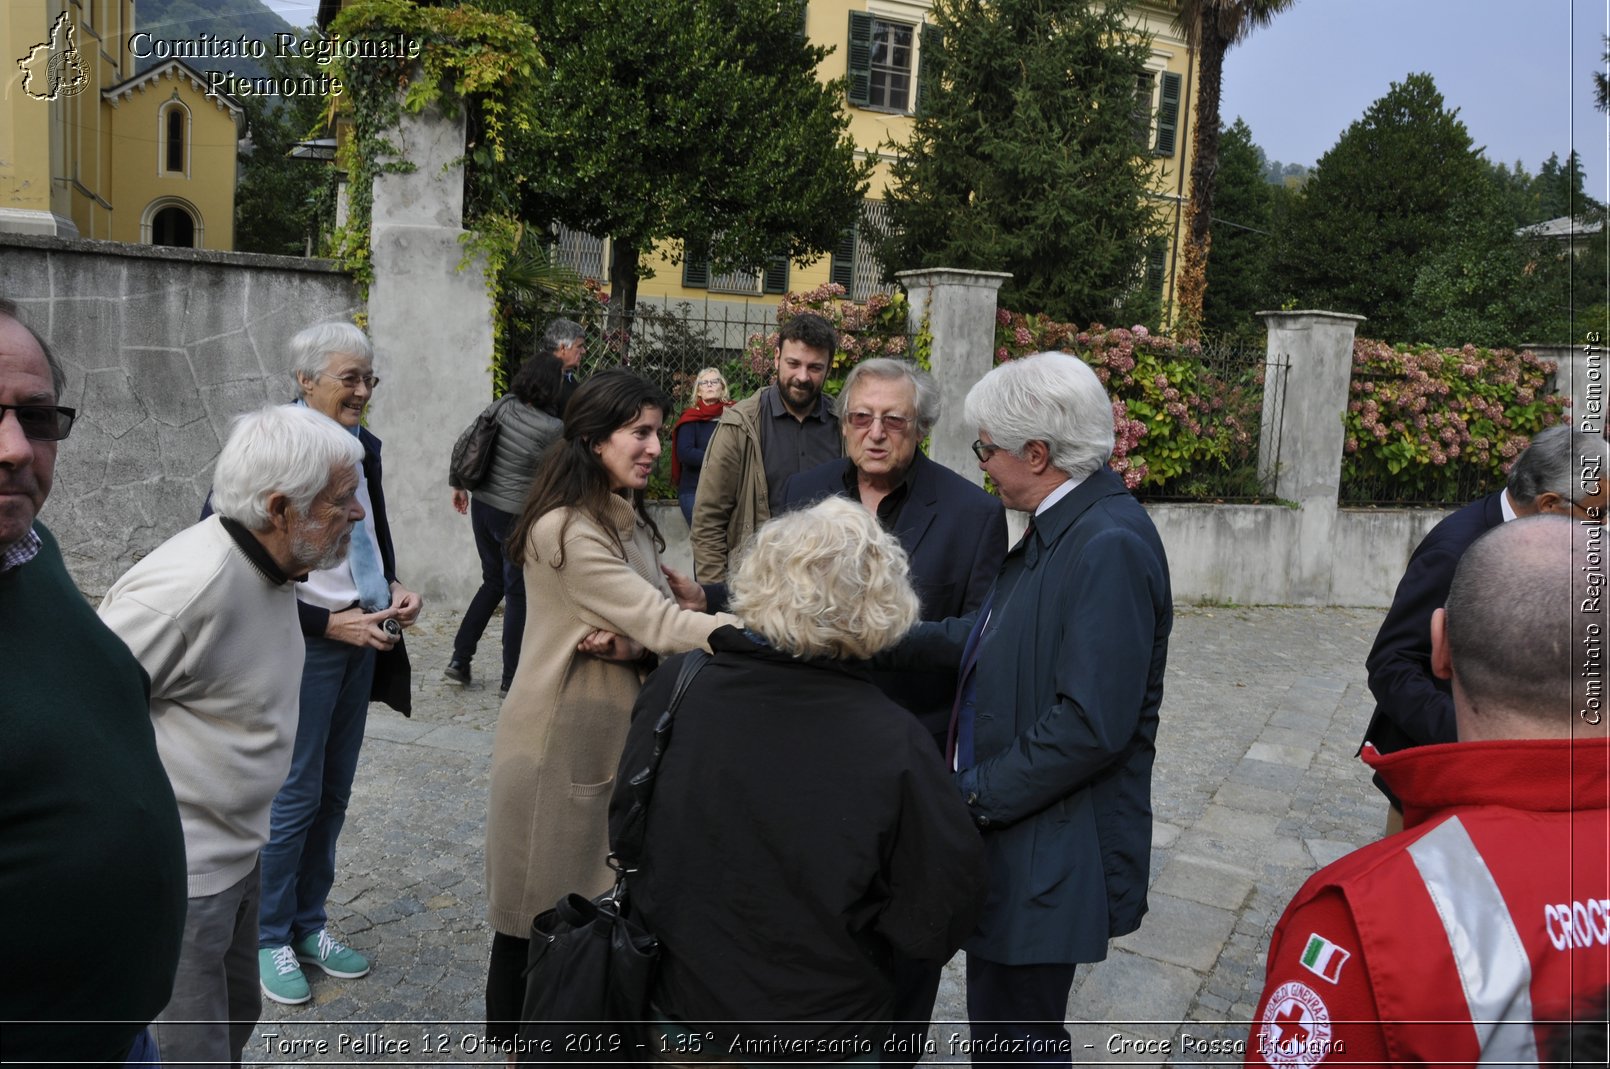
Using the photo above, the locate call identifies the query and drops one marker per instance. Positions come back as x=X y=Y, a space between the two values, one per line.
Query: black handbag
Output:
x=472 y=453
x=591 y=966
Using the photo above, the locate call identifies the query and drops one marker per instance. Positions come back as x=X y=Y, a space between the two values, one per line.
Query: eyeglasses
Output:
x=984 y=450
x=893 y=424
x=710 y=382
x=352 y=380
x=42 y=423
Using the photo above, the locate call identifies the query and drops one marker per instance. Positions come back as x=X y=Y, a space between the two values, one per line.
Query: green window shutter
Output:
x=842 y=270
x=776 y=275
x=930 y=40
x=860 y=91
x=1143 y=109
x=1168 y=115
x=695 y=269
x=1156 y=253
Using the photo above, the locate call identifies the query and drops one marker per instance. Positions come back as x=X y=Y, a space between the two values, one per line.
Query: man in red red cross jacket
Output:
x=1454 y=941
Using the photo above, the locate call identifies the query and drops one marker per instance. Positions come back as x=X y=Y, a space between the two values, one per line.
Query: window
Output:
x=582 y=253
x=173 y=138
x=174 y=227
x=1143 y=109
x=853 y=264
x=770 y=278
x=881 y=64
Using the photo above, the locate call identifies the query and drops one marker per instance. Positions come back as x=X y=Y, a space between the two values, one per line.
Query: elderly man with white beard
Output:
x=211 y=615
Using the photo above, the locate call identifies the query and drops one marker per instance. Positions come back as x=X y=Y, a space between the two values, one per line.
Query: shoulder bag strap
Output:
x=642 y=784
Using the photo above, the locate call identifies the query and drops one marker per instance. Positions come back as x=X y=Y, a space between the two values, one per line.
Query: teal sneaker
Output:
x=336 y=959
x=281 y=977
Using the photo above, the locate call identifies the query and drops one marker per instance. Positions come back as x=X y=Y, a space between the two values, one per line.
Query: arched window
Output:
x=173 y=140
x=173 y=226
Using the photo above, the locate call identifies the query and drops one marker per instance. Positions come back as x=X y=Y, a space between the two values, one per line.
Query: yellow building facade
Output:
x=882 y=40
x=89 y=149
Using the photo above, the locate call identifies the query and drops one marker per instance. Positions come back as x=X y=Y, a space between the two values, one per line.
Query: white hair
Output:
x=312 y=348
x=281 y=449
x=1046 y=397
x=826 y=581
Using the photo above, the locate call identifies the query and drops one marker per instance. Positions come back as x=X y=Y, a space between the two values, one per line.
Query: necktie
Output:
x=960 y=752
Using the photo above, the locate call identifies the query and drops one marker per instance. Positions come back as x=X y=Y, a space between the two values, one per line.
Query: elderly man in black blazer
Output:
x=1558 y=473
x=1060 y=675
x=953 y=532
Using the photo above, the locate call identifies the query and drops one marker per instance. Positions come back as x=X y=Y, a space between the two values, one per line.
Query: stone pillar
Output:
x=960 y=310
x=1300 y=444
x=1300 y=447
x=431 y=323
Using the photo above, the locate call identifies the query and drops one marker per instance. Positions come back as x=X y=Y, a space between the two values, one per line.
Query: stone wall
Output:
x=162 y=348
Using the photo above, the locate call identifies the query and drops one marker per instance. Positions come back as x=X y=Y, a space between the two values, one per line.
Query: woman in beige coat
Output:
x=590 y=555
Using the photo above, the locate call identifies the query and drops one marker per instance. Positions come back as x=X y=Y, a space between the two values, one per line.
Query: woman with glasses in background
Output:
x=692 y=434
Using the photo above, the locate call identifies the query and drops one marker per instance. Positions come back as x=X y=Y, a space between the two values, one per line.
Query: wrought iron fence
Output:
x=1226 y=405
x=670 y=345
x=1457 y=482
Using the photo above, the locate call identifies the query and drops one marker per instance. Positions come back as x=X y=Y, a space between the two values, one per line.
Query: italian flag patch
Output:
x=1324 y=958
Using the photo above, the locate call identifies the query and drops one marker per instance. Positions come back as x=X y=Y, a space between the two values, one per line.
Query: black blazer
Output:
x=1412 y=706
x=955 y=535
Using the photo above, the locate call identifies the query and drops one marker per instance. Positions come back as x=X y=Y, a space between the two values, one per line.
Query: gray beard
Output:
x=307 y=553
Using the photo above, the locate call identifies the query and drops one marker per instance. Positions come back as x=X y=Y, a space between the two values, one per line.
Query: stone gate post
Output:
x=960 y=311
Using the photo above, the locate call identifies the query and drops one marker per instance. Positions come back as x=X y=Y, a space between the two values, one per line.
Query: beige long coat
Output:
x=561 y=729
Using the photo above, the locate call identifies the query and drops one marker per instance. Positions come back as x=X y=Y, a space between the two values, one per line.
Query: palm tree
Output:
x=1601 y=84
x=1211 y=26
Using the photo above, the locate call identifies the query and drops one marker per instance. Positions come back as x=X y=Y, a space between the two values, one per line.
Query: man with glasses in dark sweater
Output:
x=92 y=864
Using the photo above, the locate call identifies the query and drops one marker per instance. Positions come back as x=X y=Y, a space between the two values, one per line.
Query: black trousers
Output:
x=1016 y=1005
x=505 y=987
x=916 y=985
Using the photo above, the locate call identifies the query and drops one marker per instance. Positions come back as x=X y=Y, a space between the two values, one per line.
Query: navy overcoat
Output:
x=1068 y=680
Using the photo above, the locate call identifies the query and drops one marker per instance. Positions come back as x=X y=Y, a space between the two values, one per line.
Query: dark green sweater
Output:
x=92 y=865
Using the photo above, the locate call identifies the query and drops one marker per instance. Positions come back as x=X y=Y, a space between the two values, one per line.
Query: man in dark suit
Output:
x=953 y=532
x=1060 y=679
x=566 y=341
x=1558 y=473
x=955 y=536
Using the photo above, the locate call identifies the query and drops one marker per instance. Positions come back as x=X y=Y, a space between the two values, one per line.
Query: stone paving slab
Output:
x=1256 y=785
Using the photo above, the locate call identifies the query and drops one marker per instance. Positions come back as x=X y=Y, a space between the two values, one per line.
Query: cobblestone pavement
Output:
x=1255 y=787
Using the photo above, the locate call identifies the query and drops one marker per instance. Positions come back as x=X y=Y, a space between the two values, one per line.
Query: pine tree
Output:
x=1379 y=204
x=1024 y=157
x=1238 y=275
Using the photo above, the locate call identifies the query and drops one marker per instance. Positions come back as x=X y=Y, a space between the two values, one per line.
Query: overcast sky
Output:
x=1519 y=71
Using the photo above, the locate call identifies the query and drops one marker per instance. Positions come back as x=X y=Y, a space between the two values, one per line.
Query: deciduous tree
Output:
x=700 y=121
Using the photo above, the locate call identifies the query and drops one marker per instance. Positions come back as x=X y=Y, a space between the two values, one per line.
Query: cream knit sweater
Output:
x=222 y=645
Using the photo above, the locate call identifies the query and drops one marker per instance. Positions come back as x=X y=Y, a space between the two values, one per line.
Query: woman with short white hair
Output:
x=802 y=831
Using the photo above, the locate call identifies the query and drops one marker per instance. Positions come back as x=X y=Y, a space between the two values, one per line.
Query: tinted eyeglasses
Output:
x=352 y=380
x=42 y=423
x=893 y=424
